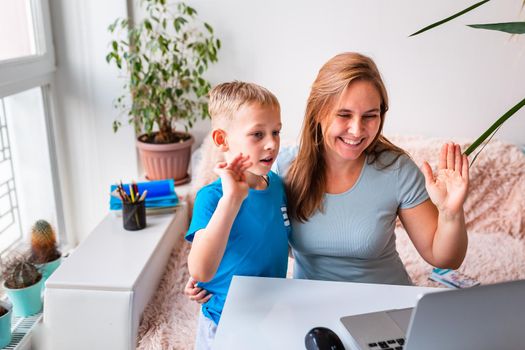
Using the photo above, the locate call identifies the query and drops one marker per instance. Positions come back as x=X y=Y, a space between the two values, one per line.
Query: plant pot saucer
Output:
x=178 y=182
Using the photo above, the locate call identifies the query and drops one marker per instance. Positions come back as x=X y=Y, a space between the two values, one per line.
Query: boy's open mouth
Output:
x=267 y=160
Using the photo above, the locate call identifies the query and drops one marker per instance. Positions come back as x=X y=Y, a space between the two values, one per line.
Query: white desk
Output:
x=276 y=313
x=95 y=298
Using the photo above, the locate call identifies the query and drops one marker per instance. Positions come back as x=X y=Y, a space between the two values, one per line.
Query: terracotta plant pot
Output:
x=166 y=161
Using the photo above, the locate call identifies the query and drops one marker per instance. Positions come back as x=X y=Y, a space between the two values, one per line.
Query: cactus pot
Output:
x=5 y=324
x=48 y=268
x=26 y=301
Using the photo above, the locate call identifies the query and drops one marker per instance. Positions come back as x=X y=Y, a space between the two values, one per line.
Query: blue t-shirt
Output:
x=258 y=241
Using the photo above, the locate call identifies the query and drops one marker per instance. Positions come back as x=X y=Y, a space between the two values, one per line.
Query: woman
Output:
x=348 y=184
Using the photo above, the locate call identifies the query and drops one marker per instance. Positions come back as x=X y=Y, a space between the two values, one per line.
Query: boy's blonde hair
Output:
x=228 y=98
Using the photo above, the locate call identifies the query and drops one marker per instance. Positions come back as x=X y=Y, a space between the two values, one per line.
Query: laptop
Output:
x=483 y=317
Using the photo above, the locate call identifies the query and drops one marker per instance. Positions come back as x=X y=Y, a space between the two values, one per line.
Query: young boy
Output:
x=239 y=224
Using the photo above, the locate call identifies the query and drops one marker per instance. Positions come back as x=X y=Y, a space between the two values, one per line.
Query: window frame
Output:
x=37 y=71
x=21 y=73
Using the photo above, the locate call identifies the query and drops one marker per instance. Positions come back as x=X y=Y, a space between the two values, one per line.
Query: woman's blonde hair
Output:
x=306 y=178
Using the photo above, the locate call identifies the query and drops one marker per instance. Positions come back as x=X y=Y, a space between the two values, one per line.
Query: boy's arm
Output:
x=196 y=293
x=209 y=243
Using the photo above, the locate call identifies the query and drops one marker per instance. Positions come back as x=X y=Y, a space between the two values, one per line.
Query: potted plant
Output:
x=164 y=58
x=44 y=251
x=5 y=322
x=22 y=282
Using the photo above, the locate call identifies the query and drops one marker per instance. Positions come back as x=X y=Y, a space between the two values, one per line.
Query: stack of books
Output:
x=452 y=278
x=160 y=197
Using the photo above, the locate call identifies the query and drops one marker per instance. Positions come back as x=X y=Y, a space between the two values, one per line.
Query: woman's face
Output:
x=353 y=123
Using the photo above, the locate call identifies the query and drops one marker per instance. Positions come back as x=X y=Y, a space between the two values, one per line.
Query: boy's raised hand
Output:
x=448 y=187
x=233 y=177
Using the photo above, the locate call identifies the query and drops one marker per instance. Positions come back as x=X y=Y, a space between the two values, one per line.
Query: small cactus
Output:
x=18 y=272
x=43 y=243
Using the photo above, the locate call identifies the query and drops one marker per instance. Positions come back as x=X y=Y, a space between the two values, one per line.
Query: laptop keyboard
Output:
x=393 y=344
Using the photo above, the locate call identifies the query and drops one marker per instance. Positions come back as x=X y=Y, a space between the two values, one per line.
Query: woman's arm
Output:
x=437 y=226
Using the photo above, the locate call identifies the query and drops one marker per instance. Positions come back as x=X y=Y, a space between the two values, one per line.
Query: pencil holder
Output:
x=134 y=215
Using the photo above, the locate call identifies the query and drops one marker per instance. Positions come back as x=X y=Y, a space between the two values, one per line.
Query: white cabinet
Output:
x=94 y=300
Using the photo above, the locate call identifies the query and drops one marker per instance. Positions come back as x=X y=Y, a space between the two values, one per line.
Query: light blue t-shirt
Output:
x=353 y=239
x=258 y=241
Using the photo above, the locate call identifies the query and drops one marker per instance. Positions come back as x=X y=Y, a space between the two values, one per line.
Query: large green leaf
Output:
x=433 y=25
x=492 y=129
x=508 y=27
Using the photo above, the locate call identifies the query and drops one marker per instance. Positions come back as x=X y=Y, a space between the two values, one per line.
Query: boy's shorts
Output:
x=205 y=333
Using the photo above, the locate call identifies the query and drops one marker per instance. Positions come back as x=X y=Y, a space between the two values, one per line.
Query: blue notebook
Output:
x=161 y=194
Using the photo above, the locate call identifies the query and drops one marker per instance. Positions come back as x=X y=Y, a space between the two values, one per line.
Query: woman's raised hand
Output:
x=233 y=177
x=448 y=187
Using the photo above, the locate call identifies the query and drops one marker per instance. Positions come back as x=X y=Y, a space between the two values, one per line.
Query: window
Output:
x=29 y=186
x=10 y=227
x=16 y=30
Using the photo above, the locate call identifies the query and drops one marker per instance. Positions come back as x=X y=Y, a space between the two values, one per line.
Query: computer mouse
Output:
x=321 y=338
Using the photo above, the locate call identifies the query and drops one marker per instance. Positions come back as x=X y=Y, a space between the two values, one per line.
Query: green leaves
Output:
x=190 y=11
x=494 y=127
x=111 y=27
x=116 y=125
x=179 y=22
x=164 y=58
x=115 y=57
x=438 y=23
x=508 y=27
x=147 y=25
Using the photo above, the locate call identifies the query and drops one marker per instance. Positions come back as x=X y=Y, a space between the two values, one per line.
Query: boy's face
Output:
x=254 y=131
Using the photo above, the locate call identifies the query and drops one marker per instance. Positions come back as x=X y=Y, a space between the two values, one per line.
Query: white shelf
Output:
x=94 y=300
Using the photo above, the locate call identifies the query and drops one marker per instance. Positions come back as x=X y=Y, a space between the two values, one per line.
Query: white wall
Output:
x=453 y=81
x=91 y=157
